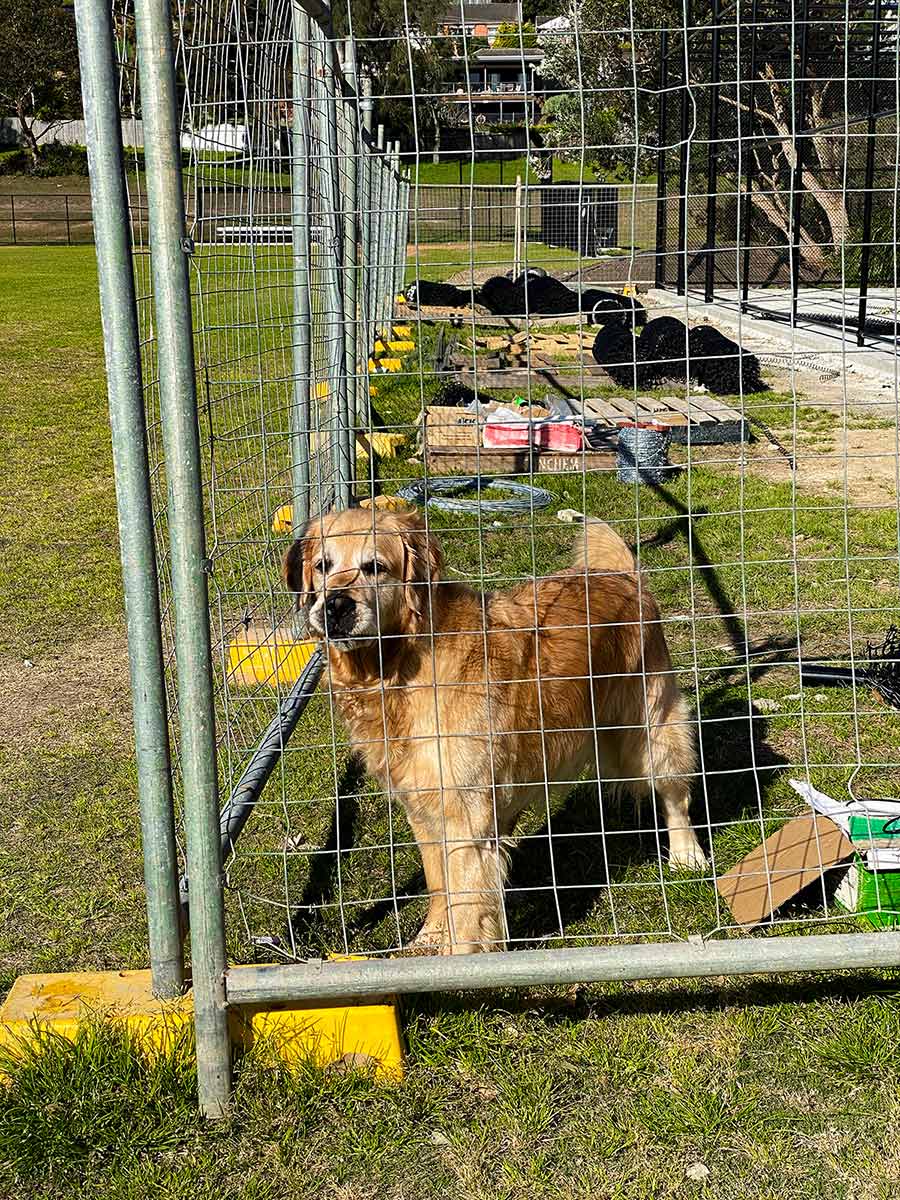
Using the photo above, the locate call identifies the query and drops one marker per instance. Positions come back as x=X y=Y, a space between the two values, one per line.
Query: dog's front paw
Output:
x=431 y=939
x=686 y=853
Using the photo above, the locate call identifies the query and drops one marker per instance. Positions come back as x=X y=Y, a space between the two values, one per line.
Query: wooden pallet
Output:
x=703 y=420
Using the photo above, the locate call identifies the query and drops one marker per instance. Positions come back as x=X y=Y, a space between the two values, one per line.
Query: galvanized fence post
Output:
x=118 y=305
x=391 y=248
x=170 y=248
x=378 y=307
x=301 y=362
x=365 y=213
x=326 y=123
x=350 y=264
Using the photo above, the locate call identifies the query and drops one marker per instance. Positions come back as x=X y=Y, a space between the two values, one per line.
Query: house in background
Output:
x=477 y=20
x=502 y=84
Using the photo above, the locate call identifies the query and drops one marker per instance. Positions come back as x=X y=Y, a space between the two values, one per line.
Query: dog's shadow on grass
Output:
x=561 y=871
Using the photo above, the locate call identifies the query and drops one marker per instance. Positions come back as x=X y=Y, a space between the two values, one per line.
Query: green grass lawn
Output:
x=716 y=1090
x=439 y=263
x=486 y=170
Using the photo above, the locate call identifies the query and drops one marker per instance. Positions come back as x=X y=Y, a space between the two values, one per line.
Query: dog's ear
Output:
x=296 y=567
x=423 y=564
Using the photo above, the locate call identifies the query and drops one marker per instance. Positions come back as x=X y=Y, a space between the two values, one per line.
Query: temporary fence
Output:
x=265 y=373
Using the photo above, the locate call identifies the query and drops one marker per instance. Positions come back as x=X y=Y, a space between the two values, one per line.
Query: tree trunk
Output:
x=436 y=151
x=27 y=132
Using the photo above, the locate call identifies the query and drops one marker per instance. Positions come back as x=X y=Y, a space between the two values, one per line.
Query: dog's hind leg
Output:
x=674 y=764
x=660 y=759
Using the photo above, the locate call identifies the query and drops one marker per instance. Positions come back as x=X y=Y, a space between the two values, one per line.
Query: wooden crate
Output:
x=452 y=441
x=452 y=437
x=460 y=460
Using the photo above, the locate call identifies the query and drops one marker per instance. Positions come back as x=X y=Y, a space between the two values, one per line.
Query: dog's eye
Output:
x=371 y=568
x=323 y=566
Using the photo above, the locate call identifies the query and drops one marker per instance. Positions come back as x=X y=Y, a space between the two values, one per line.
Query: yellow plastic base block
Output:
x=283 y=519
x=385 y=445
x=345 y=1033
x=402 y=331
x=264 y=655
x=390 y=364
x=402 y=346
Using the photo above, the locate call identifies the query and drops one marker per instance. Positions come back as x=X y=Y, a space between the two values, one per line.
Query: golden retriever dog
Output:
x=470 y=708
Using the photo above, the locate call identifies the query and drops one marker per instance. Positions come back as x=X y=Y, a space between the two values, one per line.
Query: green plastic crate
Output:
x=875 y=896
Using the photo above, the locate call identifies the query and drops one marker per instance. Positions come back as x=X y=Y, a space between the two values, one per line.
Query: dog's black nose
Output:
x=340 y=613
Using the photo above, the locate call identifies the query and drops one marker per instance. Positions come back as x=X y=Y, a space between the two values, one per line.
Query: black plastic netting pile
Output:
x=667 y=352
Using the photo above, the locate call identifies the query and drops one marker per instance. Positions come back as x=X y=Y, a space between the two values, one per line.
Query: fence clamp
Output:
x=187 y=244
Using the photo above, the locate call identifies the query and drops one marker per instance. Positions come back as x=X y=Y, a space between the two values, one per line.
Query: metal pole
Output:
x=399 y=259
x=712 y=159
x=797 y=174
x=391 y=246
x=170 y=248
x=866 y=254
x=326 y=113
x=751 y=161
x=109 y=199
x=681 y=271
x=383 y=201
x=517 y=226
x=301 y=358
x=404 y=232
x=350 y=265
x=267 y=755
x=365 y=212
x=376 y=189
x=526 y=968
x=659 y=277
x=12 y=217
x=68 y=222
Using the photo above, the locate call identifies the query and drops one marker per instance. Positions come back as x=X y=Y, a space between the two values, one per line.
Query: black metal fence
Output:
x=46 y=219
x=778 y=155
x=591 y=218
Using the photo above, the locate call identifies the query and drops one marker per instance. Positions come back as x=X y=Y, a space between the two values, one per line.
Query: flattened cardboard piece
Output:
x=782 y=866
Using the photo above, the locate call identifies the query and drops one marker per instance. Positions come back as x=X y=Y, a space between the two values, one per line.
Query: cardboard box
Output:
x=798 y=854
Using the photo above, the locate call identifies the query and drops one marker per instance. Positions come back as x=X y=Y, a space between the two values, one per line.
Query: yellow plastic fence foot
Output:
x=385 y=445
x=261 y=654
x=346 y=1033
x=402 y=346
x=283 y=519
x=402 y=331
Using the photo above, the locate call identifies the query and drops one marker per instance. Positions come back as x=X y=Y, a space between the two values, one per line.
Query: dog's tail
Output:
x=599 y=548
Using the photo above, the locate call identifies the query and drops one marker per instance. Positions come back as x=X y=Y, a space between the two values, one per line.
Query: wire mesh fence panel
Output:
x=599 y=568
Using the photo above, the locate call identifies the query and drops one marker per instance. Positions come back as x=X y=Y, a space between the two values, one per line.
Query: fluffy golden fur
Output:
x=467 y=707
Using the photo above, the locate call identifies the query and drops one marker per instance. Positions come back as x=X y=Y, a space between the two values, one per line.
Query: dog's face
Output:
x=362 y=574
